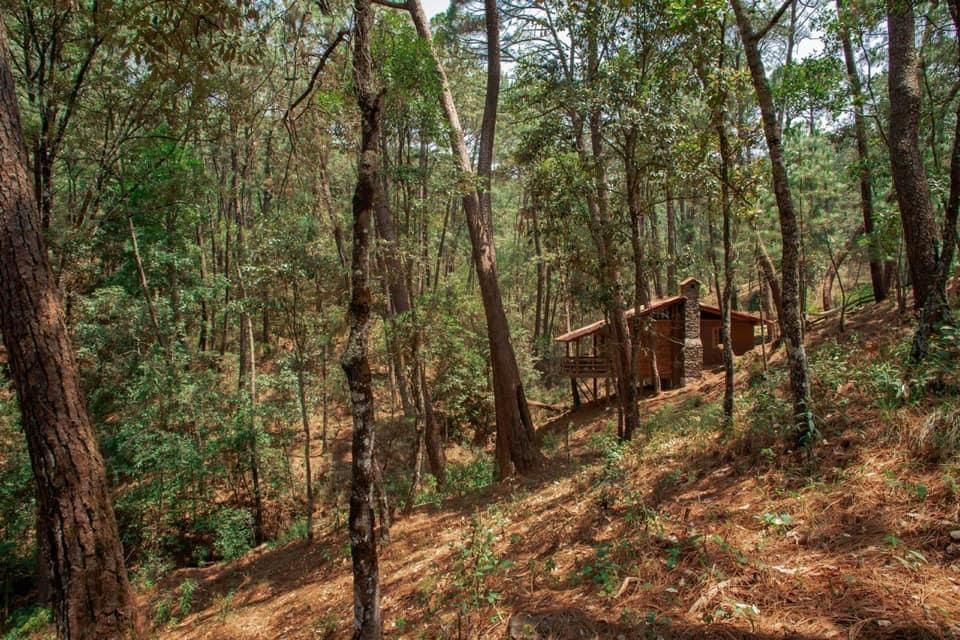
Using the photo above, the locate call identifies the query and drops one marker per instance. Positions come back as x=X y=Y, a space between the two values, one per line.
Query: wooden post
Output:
x=593 y=352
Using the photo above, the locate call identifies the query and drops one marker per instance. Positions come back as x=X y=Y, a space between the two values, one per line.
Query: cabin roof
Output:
x=595 y=327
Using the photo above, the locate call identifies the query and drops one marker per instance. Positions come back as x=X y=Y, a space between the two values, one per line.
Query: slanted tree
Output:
x=602 y=231
x=76 y=525
x=516 y=448
x=879 y=283
x=791 y=312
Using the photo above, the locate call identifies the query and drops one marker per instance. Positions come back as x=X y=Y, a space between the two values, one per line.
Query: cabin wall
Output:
x=743 y=340
x=666 y=351
x=712 y=347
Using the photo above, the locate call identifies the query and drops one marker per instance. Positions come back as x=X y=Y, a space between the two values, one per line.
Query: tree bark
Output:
x=672 y=282
x=91 y=594
x=367 y=623
x=516 y=449
x=906 y=162
x=726 y=294
x=641 y=285
x=936 y=308
x=307 y=463
x=863 y=154
x=791 y=312
x=601 y=228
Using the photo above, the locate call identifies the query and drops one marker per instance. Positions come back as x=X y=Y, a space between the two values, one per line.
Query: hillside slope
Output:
x=690 y=532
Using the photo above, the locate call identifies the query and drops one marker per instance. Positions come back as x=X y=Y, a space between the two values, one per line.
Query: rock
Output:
x=955 y=535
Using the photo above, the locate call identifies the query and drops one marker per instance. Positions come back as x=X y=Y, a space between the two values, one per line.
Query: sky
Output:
x=433 y=7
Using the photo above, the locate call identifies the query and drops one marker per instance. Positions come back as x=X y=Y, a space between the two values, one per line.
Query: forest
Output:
x=450 y=319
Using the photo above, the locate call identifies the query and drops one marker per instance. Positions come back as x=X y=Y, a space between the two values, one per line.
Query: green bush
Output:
x=23 y=623
x=475 y=561
x=296 y=531
x=233 y=532
x=602 y=570
x=186 y=593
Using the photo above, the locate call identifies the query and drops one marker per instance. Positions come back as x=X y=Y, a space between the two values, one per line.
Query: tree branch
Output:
x=316 y=74
x=758 y=35
x=402 y=6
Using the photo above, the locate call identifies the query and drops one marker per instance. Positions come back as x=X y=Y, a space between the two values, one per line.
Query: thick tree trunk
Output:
x=516 y=449
x=91 y=594
x=936 y=309
x=367 y=624
x=906 y=162
x=863 y=154
x=791 y=313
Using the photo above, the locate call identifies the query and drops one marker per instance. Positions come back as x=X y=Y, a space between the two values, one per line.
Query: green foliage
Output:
x=27 y=623
x=602 y=570
x=476 y=561
x=779 y=522
x=233 y=532
x=162 y=611
x=612 y=451
x=459 y=353
x=17 y=499
x=152 y=569
x=185 y=594
x=295 y=532
x=768 y=422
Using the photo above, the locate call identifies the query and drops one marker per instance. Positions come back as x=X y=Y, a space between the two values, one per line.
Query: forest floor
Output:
x=693 y=531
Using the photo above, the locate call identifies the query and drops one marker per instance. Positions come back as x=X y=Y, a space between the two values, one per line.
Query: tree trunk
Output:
x=601 y=228
x=412 y=384
x=726 y=294
x=726 y=303
x=772 y=286
x=516 y=449
x=936 y=308
x=367 y=623
x=91 y=594
x=307 y=464
x=641 y=285
x=327 y=201
x=672 y=283
x=906 y=163
x=863 y=155
x=791 y=313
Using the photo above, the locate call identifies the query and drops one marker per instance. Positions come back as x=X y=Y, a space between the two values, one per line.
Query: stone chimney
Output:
x=690 y=363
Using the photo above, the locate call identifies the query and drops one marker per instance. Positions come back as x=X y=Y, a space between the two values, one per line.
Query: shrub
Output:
x=233 y=532
x=296 y=531
x=25 y=623
x=185 y=600
x=476 y=560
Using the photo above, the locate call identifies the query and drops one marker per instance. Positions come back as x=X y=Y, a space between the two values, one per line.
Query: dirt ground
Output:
x=690 y=535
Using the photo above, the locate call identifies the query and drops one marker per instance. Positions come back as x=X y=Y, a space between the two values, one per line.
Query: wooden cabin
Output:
x=683 y=332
